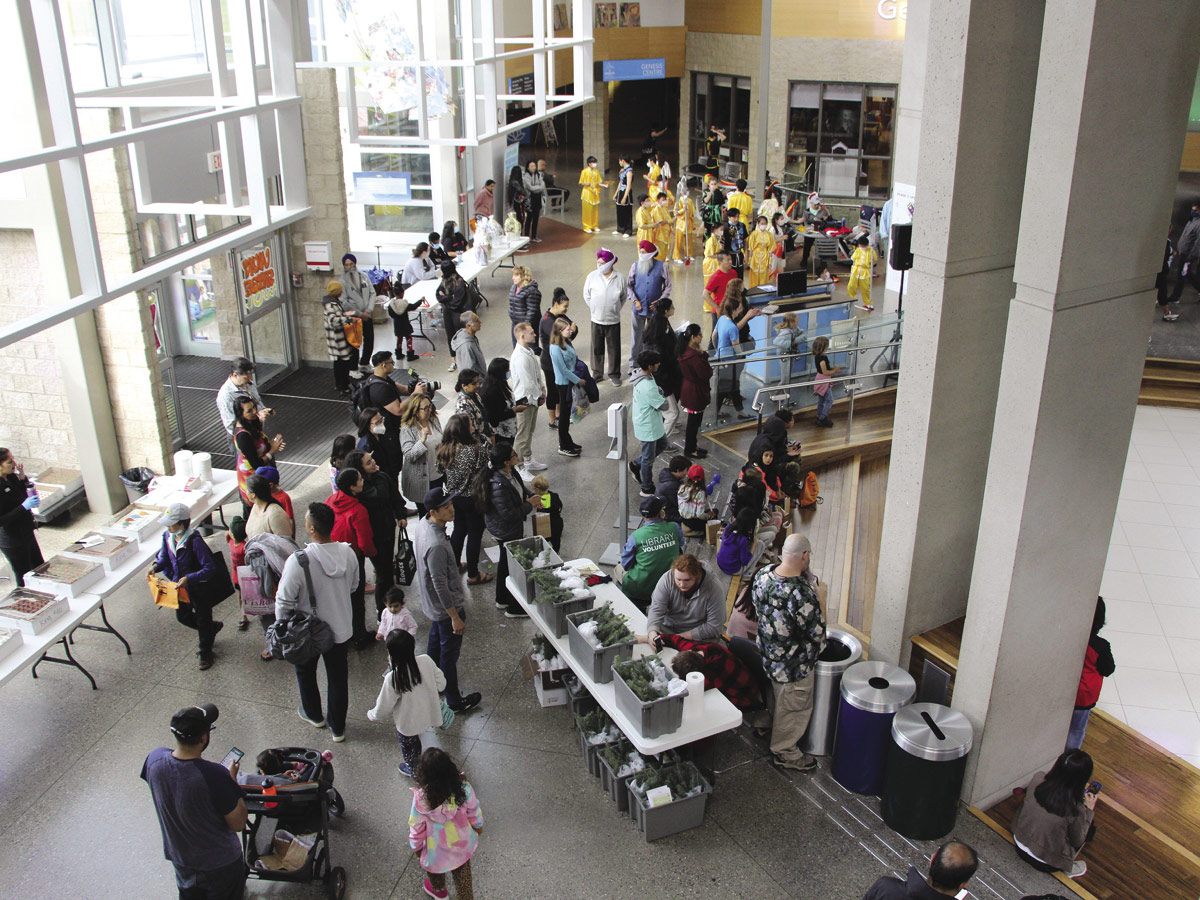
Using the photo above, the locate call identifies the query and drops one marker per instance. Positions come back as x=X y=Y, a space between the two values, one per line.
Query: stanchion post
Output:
x=618 y=423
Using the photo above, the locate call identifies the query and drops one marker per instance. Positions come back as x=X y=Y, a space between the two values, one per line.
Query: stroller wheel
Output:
x=336 y=883
x=337 y=806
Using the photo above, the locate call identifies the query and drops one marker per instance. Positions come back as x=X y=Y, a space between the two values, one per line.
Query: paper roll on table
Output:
x=693 y=704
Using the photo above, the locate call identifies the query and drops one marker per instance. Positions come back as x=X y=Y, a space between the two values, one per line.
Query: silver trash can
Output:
x=842 y=650
x=925 y=767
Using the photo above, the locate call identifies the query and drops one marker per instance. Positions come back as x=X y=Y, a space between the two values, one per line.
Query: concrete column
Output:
x=595 y=128
x=1073 y=358
x=980 y=70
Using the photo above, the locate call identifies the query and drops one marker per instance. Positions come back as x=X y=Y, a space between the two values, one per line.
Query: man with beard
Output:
x=689 y=601
x=649 y=279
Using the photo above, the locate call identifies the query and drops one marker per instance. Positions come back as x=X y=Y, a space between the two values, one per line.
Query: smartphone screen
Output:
x=1094 y=788
x=234 y=755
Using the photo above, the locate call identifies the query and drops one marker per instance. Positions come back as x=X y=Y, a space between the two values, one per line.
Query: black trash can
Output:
x=925 y=767
x=137 y=482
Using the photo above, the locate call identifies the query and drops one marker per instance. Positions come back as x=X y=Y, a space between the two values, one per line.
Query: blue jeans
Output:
x=650 y=450
x=339 y=688
x=443 y=648
x=225 y=883
x=1079 y=724
x=825 y=403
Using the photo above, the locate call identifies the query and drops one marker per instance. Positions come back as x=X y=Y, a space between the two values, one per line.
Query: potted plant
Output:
x=686 y=792
x=525 y=557
x=641 y=691
x=554 y=602
x=597 y=638
x=619 y=762
x=595 y=730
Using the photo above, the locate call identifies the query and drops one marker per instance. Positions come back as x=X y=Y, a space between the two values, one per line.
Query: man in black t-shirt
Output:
x=200 y=809
x=381 y=392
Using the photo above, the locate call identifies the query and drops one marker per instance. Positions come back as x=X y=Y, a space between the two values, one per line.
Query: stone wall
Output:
x=327 y=197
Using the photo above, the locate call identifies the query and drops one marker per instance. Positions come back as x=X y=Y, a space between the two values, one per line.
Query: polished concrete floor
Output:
x=78 y=823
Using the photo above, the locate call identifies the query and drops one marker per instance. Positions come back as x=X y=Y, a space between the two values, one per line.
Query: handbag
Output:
x=447 y=715
x=301 y=637
x=354 y=332
x=255 y=601
x=218 y=588
x=406 y=559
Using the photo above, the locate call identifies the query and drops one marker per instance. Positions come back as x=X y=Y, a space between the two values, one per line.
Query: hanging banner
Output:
x=259 y=283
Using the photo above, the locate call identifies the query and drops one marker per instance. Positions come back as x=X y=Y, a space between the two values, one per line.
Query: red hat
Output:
x=647 y=246
x=696 y=471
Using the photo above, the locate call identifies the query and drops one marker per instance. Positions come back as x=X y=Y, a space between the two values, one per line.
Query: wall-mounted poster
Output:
x=631 y=15
x=562 y=17
x=606 y=15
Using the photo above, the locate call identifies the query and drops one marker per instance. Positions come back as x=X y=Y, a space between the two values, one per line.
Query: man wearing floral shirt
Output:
x=791 y=634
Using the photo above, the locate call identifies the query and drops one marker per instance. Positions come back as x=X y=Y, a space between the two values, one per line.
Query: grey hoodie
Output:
x=467 y=352
x=438 y=580
x=334 y=570
x=703 y=613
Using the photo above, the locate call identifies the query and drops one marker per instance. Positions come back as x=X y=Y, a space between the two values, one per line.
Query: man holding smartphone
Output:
x=200 y=810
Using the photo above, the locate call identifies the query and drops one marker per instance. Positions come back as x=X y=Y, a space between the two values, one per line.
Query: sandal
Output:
x=265 y=655
x=481 y=578
x=243 y=624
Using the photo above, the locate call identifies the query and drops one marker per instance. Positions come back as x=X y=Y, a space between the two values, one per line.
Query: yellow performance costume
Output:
x=687 y=226
x=743 y=203
x=644 y=219
x=662 y=228
x=652 y=178
x=861 y=263
x=590 y=181
x=760 y=254
x=712 y=247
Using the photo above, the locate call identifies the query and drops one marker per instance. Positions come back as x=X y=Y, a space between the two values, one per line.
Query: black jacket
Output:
x=914 y=887
x=668 y=492
x=661 y=338
x=506 y=507
x=16 y=522
x=384 y=505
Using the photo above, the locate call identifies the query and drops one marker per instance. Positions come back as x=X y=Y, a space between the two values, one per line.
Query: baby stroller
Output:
x=300 y=808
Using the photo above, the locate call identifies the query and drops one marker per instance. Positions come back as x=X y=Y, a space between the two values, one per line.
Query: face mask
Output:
x=378 y=429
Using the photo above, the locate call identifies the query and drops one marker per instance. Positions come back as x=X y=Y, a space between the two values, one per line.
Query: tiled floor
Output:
x=1152 y=583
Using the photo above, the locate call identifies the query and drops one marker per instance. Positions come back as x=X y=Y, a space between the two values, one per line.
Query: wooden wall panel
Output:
x=727 y=16
x=1191 y=152
x=843 y=19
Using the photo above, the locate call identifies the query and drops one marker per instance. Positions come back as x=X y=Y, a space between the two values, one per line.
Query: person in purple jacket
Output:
x=185 y=559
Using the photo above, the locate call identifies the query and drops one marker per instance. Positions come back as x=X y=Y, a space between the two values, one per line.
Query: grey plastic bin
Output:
x=679 y=815
x=598 y=660
x=652 y=718
x=925 y=766
x=554 y=615
x=522 y=577
x=842 y=650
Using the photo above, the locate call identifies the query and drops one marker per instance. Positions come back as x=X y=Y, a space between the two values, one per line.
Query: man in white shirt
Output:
x=333 y=570
x=604 y=294
x=528 y=390
x=240 y=381
x=358 y=299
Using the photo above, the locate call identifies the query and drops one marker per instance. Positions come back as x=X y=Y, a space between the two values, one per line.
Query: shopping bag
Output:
x=255 y=601
x=354 y=332
x=406 y=559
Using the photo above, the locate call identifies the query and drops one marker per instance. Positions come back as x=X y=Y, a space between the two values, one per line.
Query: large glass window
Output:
x=414 y=216
x=840 y=138
x=158 y=40
x=723 y=101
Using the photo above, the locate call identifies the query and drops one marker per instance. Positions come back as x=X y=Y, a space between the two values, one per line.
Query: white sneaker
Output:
x=616 y=232
x=526 y=476
x=1078 y=869
x=532 y=465
x=356 y=375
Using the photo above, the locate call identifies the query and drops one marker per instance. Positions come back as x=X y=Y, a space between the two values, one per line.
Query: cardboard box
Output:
x=110 y=550
x=64 y=576
x=550 y=689
x=10 y=641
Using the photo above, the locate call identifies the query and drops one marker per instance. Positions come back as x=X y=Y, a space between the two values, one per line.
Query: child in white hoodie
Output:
x=410 y=696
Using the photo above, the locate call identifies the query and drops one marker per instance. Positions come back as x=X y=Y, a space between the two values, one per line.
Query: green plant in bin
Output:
x=543 y=648
x=523 y=555
x=637 y=676
x=617 y=753
x=610 y=627
x=680 y=778
x=594 y=722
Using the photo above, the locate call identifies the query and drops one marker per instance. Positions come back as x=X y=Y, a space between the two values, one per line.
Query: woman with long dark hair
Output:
x=370 y=437
x=516 y=196
x=497 y=400
x=409 y=695
x=1055 y=819
x=455 y=298
x=695 y=386
x=535 y=189
x=385 y=511
x=460 y=455
x=267 y=515
x=468 y=402
x=503 y=498
x=254 y=449
x=453 y=240
x=660 y=337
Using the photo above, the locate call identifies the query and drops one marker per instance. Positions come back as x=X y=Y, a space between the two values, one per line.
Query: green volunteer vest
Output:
x=658 y=545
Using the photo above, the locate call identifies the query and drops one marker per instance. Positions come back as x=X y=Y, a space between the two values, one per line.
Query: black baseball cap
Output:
x=193 y=721
x=651 y=507
x=437 y=497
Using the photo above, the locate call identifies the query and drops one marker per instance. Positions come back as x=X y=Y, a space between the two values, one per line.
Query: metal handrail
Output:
x=741 y=360
x=756 y=404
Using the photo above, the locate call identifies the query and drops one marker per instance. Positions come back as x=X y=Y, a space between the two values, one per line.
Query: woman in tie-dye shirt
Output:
x=444 y=824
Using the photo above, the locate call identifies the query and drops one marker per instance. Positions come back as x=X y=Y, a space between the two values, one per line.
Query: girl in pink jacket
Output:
x=444 y=824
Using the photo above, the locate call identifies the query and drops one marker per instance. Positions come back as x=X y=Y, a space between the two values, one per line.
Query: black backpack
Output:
x=359 y=395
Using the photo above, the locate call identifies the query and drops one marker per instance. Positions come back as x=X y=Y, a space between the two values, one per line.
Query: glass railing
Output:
x=766 y=377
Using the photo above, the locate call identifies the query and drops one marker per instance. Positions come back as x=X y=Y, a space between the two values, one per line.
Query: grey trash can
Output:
x=925 y=767
x=137 y=482
x=871 y=694
x=842 y=650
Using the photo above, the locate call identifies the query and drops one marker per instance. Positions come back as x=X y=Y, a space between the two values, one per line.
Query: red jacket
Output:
x=1097 y=665
x=696 y=390
x=722 y=670
x=351 y=523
